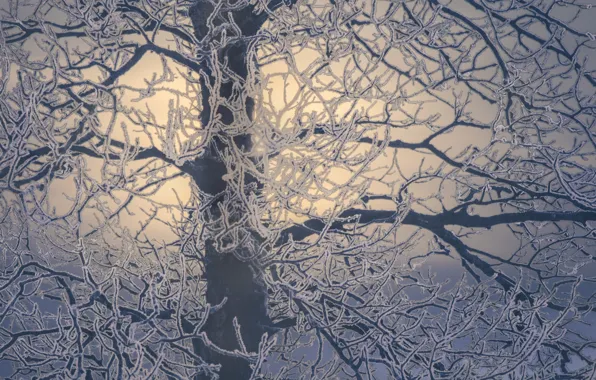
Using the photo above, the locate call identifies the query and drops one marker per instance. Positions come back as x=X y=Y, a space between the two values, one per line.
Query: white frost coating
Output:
x=411 y=183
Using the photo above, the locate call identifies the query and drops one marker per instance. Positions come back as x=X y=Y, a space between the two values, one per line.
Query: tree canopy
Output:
x=322 y=189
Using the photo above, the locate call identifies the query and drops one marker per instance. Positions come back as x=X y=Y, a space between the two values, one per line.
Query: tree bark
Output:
x=228 y=277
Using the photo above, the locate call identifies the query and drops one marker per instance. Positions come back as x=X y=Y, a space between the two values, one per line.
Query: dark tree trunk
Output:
x=227 y=276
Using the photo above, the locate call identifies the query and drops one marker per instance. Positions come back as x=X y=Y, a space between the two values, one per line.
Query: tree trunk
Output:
x=227 y=276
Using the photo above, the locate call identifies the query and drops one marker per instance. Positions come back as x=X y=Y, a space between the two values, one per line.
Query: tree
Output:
x=324 y=189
